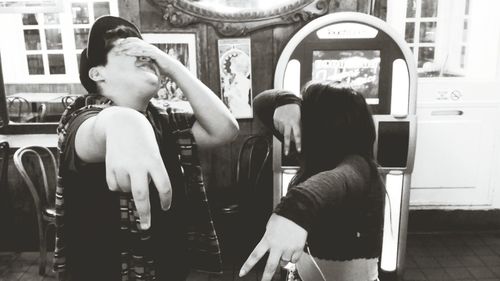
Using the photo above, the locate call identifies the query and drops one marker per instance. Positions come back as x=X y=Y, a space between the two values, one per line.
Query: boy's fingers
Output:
x=286 y=136
x=164 y=187
x=296 y=256
x=297 y=137
x=140 y=193
x=257 y=253
x=285 y=258
x=122 y=180
x=111 y=180
x=272 y=263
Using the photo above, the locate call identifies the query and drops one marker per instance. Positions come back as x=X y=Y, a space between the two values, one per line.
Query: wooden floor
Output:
x=24 y=267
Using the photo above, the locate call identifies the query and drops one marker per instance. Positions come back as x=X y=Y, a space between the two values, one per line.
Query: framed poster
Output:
x=182 y=46
x=235 y=69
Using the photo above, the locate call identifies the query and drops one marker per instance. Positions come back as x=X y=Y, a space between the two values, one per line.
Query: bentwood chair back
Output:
x=19 y=109
x=39 y=172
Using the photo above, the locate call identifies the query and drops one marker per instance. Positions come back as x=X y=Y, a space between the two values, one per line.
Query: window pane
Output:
x=429 y=8
x=101 y=9
x=30 y=19
x=54 y=41
x=32 y=39
x=411 y=9
x=426 y=57
x=81 y=37
x=462 y=56
x=80 y=13
x=465 y=31
x=56 y=64
x=78 y=56
x=51 y=18
x=428 y=32
x=35 y=64
x=410 y=32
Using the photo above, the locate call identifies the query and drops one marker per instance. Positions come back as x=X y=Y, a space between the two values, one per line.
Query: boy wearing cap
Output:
x=123 y=162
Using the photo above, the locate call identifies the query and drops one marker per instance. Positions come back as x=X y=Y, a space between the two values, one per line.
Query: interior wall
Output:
x=19 y=231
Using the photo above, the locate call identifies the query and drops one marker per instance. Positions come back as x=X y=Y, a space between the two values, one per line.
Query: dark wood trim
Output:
x=4 y=118
x=453 y=220
x=29 y=128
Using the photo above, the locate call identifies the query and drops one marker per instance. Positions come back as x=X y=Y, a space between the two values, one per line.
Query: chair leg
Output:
x=42 y=236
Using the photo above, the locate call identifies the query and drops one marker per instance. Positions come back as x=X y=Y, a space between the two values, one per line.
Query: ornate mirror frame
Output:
x=181 y=13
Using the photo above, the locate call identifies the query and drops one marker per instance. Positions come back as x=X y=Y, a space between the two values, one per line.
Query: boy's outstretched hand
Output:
x=132 y=160
x=124 y=139
x=284 y=240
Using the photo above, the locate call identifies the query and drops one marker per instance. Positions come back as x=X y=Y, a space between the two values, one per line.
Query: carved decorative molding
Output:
x=181 y=13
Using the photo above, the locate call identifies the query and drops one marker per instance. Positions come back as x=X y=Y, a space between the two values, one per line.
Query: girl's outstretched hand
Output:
x=284 y=240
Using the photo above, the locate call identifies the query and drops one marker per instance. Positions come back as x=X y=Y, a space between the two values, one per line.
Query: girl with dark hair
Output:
x=334 y=206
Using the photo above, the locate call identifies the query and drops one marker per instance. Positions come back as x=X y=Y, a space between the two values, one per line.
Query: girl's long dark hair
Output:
x=336 y=122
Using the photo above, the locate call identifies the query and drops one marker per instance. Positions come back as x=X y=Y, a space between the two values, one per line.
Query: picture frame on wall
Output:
x=181 y=46
x=235 y=70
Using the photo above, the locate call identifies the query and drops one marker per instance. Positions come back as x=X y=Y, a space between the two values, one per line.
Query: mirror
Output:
x=237 y=18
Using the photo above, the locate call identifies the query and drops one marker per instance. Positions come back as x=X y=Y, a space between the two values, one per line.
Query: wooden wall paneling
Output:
x=221 y=163
x=203 y=75
x=262 y=68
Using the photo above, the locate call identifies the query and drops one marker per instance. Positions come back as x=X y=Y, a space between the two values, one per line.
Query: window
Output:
x=43 y=43
x=439 y=34
x=434 y=57
x=46 y=47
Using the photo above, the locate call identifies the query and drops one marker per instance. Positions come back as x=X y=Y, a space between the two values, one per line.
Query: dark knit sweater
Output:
x=341 y=209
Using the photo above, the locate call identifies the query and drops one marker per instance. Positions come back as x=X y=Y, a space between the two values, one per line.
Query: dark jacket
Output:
x=342 y=209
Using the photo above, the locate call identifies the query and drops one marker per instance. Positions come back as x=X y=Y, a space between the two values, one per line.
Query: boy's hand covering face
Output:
x=144 y=52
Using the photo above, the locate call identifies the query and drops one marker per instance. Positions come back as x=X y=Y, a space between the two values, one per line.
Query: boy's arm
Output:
x=124 y=139
x=214 y=123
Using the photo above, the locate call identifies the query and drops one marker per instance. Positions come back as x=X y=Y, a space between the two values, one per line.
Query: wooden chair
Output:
x=20 y=109
x=36 y=172
x=42 y=112
x=67 y=101
x=252 y=158
x=234 y=212
x=4 y=150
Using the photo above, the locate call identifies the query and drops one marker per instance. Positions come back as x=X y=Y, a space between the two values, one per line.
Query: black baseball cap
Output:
x=96 y=51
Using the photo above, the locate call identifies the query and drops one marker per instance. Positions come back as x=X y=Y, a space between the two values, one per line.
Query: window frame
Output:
x=450 y=40
x=22 y=76
x=69 y=51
